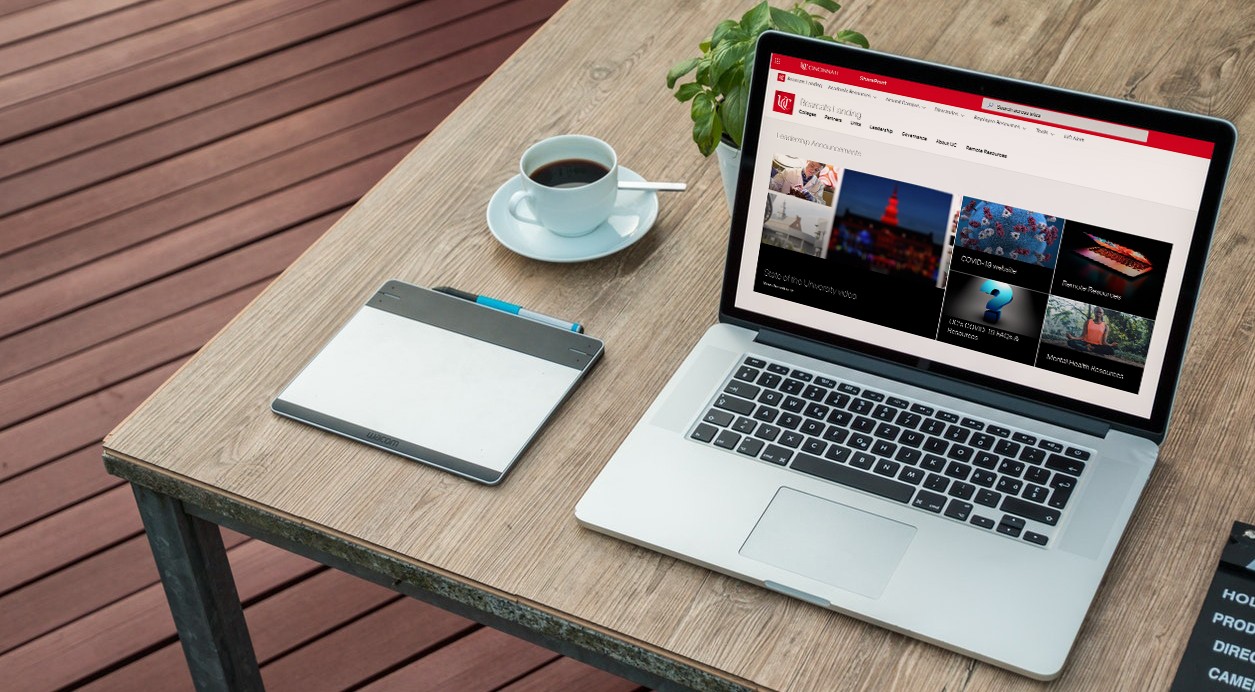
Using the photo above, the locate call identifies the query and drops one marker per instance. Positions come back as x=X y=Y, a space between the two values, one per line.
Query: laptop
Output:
x=1116 y=257
x=895 y=427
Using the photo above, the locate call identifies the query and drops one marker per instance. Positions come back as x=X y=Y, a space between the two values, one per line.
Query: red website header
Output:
x=974 y=102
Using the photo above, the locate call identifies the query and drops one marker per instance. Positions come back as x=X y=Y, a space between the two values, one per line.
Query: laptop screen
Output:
x=978 y=230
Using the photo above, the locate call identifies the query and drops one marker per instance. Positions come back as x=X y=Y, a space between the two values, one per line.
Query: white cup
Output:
x=570 y=183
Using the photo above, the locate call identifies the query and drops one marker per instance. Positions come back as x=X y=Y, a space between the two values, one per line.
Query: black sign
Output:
x=1221 y=651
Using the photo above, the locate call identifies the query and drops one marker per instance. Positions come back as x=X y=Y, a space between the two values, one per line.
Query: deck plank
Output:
x=569 y=674
x=51 y=16
x=485 y=659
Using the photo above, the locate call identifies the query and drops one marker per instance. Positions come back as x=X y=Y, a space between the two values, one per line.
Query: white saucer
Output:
x=634 y=214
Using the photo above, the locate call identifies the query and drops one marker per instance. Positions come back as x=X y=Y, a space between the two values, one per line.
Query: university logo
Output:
x=783 y=103
x=782 y=77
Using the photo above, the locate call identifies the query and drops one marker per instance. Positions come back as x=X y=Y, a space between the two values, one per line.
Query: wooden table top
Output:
x=598 y=68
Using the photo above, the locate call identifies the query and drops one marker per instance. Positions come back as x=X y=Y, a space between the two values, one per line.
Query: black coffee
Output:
x=569 y=173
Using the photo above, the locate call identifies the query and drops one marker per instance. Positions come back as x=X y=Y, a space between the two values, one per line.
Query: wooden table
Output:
x=206 y=448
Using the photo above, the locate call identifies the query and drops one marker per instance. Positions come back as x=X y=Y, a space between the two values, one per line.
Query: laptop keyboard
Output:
x=971 y=470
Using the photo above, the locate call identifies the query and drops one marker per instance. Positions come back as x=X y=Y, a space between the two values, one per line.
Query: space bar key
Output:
x=877 y=485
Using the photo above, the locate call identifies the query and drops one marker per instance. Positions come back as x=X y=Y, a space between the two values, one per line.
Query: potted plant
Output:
x=721 y=80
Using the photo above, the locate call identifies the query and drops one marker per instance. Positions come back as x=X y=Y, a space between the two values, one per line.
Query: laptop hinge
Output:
x=938 y=383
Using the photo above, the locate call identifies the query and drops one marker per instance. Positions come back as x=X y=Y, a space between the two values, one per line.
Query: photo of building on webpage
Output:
x=1019 y=284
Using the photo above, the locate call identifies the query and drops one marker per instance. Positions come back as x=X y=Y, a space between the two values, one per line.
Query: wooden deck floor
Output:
x=160 y=162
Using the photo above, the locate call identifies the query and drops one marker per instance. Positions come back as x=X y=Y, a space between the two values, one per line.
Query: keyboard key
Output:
x=877 y=485
x=836 y=434
x=767 y=432
x=744 y=390
x=874 y=396
x=814 y=446
x=861 y=406
x=825 y=382
x=887 y=432
x=720 y=418
x=776 y=455
x=909 y=420
x=955 y=433
x=801 y=375
x=932 y=426
x=1009 y=486
x=817 y=411
x=948 y=417
x=704 y=432
x=1011 y=468
x=770 y=380
x=936 y=482
x=1059 y=498
x=983 y=522
x=960 y=452
x=860 y=441
x=906 y=455
x=812 y=427
x=1024 y=438
x=958 y=470
x=972 y=423
x=728 y=439
x=755 y=362
x=885 y=412
x=728 y=402
x=982 y=441
x=750 y=446
x=962 y=490
x=792 y=386
x=863 y=424
x=922 y=409
x=1030 y=510
x=1035 y=493
x=929 y=501
x=863 y=460
x=1069 y=466
x=932 y=462
x=770 y=397
x=1063 y=482
x=958 y=509
x=1035 y=538
x=997 y=431
x=1037 y=474
x=987 y=497
x=766 y=414
x=1007 y=448
x=814 y=393
x=1051 y=446
x=839 y=417
x=838 y=453
x=936 y=445
x=848 y=388
x=778 y=369
x=887 y=468
x=746 y=373
x=1077 y=453
x=793 y=404
x=984 y=478
x=744 y=425
x=911 y=475
x=792 y=439
x=912 y=438
x=986 y=460
x=897 y=402
x=1033 y=455
x=883 y=448
x=789 y=421
x=1010 y=530
x=838 y=399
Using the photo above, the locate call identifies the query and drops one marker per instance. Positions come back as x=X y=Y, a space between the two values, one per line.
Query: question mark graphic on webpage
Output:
x=1002 y=294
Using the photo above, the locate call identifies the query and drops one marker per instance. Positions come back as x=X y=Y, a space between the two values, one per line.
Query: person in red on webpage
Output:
x=1096 y=337
x=801 y=182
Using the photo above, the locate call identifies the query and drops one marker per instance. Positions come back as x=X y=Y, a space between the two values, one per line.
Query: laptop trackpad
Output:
x=829 y=542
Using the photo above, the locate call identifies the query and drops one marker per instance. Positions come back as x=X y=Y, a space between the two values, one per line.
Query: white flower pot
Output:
x=729 y=164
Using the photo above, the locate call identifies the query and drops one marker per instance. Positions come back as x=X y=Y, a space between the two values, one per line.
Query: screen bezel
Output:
x=1219 y=132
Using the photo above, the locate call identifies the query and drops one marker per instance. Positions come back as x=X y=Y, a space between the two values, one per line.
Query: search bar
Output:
x=1054 y=118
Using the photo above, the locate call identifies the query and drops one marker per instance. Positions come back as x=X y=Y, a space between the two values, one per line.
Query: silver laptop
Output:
x=924 y=404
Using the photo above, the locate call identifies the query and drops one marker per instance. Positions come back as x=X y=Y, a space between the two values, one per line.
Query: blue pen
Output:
x=512 y=309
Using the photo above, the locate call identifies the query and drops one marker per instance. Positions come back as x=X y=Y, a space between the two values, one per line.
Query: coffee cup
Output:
x=569 y=184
